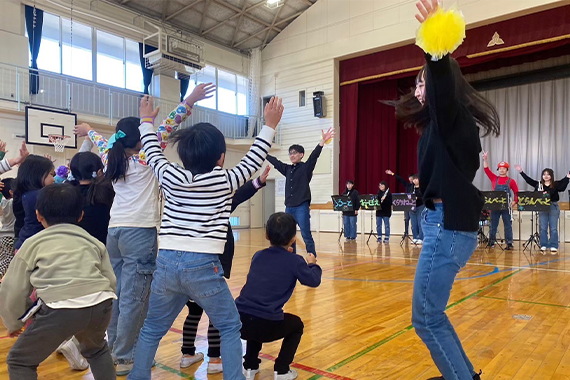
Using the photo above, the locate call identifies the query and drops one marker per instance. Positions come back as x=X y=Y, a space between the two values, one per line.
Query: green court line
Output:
x=406 y=329
x=528 y=302
x=174 y=371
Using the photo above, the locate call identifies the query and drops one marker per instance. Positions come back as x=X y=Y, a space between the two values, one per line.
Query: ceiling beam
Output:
x=124 y=1
x=290 y=18
x=164 y=9
x=204 y=15
x=239 y=21
x=250 y=37
x=273 y=23
x=240 y=14
x=251 y=17
x=184 y=9
x=309 y=2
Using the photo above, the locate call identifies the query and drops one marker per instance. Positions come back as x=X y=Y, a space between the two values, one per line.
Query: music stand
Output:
x=494 y=201
x=370 y=202
x=342 y=203
x=533 y=201
x=404 y=202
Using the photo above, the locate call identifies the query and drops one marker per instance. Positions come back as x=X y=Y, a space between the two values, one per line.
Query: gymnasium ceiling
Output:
x=237 y=24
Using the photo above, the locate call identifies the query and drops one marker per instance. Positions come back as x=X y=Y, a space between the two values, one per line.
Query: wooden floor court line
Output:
x=527 y=302
x=408 y=328
x=174 y=371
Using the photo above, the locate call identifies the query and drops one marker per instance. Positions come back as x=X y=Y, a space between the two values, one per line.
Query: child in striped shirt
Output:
x=198 y=198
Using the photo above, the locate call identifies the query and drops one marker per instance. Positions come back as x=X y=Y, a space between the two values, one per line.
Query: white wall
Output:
x=305 y=56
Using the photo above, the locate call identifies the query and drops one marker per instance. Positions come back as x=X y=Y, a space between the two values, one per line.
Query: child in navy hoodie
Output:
x=270 y=283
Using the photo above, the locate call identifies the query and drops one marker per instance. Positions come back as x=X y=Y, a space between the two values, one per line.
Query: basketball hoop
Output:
x=58 y=141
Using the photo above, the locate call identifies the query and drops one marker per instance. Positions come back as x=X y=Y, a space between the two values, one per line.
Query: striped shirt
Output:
x=5 y=166
x=197 y=207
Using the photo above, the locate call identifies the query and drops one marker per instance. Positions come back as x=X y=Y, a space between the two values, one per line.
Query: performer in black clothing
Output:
x=449 y=114
x=409 y=186
x=548 y=219
x=383 y=215
x=349 y=218
x=298 y=175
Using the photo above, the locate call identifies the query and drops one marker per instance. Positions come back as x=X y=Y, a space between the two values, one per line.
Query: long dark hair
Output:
x=552 y=181
x=411 y=113
x=85 y=166
x=31 y=174
x=117 y=159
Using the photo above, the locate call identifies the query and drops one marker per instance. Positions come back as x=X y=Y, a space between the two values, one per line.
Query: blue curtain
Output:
x=183 y=88
x=34 y=24
x=147 y=73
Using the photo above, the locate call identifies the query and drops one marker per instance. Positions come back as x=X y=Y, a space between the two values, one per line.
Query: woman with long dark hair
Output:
x=450 y=115
x=548 y=219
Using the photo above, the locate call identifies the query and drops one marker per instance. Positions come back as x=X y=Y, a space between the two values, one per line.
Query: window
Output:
x=242 y=92
x=232 y=90
x=110 y=59
x=227 y=92
x=76 y=51
x=49 y=55
x=207 y=75
x=134 y=78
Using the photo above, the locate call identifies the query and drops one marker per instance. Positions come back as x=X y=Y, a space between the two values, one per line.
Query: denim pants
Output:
x=386 y=221
x=349 y=226
x=444 y=253
x=508 y=223
x=549 y=219
x=416 y=219
x=302 y=215
x=181 y=276
x=132 y=251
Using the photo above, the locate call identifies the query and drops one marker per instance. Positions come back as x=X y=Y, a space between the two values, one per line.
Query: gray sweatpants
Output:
x=53 y=326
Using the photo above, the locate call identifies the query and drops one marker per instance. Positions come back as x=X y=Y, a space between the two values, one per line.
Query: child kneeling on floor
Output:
x=270 y=283
x=75 y=283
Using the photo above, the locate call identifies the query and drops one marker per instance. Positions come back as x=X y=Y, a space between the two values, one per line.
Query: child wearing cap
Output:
x=502 y=182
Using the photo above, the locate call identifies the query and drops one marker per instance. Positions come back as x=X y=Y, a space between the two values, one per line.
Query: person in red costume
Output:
x=502 y=182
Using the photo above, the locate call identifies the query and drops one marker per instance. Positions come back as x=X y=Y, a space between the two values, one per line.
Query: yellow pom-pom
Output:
x=441 y=33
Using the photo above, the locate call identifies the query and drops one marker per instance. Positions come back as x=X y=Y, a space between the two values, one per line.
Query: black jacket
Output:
x=559 y=186
x=353 y=194
x=298 y=177
x=448 y=151
x=385 y=205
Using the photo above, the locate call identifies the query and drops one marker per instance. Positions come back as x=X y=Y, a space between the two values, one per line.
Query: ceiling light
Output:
x=272 y=4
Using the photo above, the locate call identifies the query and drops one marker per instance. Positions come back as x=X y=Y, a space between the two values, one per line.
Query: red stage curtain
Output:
x=348 y=127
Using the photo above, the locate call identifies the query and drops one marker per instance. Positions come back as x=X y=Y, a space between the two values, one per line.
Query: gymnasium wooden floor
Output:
x=510 y=309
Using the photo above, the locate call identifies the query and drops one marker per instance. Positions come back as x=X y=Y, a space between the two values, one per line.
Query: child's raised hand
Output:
x=23 y=153
x=273 y=112
x=82 y=129
x=201 y=92
x=49 y=157
x=146 y=109
x=519 y=168
x=3 y=146
x=311 y=259
x=265 y=174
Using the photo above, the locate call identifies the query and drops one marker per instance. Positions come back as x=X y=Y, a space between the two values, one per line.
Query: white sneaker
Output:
x=71 y=352
x=215 y=367
x=124 y=369
x=414 y=241
x=292 y=374
x=420 y=242
x=250 y=373
x=553 y=251
x=187 y=360
x=543 y=249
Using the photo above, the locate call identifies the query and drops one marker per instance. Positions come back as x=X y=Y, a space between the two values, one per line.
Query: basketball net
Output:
x=58 y=142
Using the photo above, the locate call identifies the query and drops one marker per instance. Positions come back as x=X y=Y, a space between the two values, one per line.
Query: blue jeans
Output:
x=189 y=275
x=349 y=226
x=508 y=223
x=133 y=256
x=549 y=219
x=302 y=215
x=443 y=254
x=386 y=220
x=416 y=218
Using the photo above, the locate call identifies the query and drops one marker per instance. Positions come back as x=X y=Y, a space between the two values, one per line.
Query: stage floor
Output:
x=510 y=309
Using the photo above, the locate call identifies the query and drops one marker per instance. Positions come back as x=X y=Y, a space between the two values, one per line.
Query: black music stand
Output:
x=370 y=202
x=404 y=202
x=533 y=201
x=494 y=201
x=342 y=203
